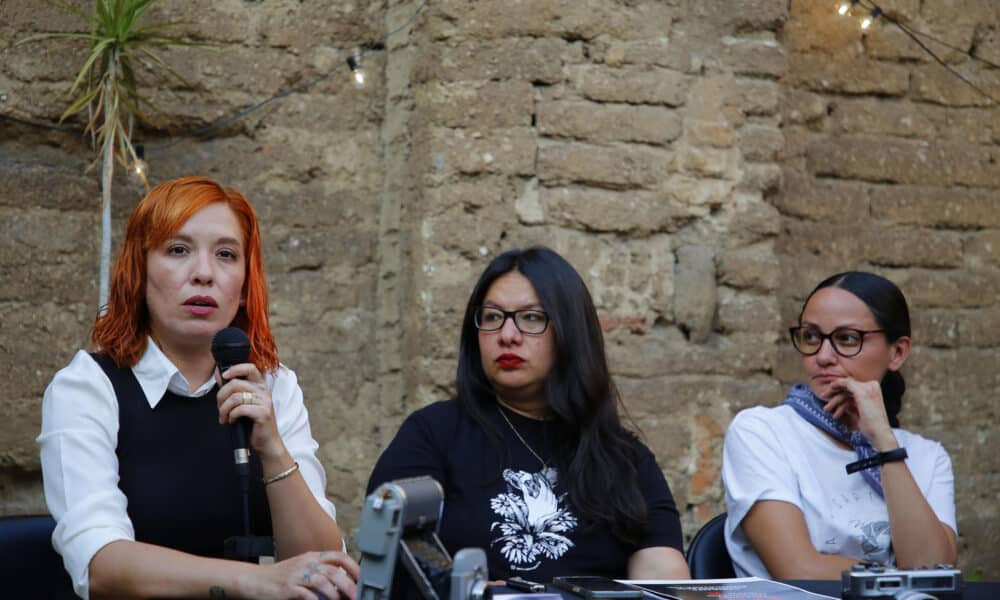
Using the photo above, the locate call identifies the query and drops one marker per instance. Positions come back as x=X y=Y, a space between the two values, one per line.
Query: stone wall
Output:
x=702 y=164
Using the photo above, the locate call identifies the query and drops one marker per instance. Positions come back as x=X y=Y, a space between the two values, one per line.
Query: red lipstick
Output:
x=509 y=361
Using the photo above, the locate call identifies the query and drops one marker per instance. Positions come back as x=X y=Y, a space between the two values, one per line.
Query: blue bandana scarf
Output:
x=810 y=408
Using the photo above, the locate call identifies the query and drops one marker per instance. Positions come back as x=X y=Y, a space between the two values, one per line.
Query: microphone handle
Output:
x=241 y=453
x=241 y=441
x=241 y=435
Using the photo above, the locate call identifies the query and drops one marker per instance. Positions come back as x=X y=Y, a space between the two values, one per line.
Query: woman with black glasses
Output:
x=828 y=479
x=536 y=465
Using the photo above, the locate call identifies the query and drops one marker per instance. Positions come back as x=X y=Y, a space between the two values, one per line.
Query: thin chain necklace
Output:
x=545 y=465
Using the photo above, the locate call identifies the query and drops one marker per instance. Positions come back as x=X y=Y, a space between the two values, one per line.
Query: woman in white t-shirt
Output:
x=827 y=479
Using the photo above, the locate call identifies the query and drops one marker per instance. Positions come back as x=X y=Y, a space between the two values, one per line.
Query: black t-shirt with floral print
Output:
x=510 y=505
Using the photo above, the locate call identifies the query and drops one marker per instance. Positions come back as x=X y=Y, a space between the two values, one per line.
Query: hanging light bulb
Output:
x=140 y=168
x=358 y=74
x=868 y=19
x=845 y=7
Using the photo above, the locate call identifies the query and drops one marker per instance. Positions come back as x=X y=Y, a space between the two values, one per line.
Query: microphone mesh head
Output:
x=231 y=346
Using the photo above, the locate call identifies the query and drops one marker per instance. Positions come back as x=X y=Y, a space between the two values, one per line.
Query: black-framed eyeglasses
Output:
x=527 y=320
x=846 y=341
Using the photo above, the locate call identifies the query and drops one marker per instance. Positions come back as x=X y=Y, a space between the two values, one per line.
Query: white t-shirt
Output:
x=775 y=454
x=80 y=467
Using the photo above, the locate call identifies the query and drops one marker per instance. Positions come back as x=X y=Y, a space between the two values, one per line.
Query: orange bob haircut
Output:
x=122 y=330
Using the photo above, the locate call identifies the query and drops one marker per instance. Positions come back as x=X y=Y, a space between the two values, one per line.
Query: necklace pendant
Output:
x=522 y=440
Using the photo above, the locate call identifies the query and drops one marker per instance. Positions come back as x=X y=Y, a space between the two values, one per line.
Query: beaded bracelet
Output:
x=283 y=474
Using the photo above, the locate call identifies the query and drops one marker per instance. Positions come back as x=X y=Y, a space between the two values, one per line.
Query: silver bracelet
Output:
x=283 y=474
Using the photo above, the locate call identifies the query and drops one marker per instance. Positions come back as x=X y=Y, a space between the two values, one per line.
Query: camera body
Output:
x=875 y=582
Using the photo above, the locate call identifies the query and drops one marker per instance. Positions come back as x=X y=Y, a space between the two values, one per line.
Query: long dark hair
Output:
x=596 y=456
x=888 y=306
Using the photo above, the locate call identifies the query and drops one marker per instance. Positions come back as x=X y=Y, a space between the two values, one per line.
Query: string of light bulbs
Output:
x=848 y=7
x=871 y=12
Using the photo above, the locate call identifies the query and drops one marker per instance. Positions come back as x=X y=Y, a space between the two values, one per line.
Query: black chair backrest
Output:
x=29 y=566
x=707 y=556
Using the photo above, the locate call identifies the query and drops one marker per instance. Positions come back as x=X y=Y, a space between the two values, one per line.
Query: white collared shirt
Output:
x=80 y=433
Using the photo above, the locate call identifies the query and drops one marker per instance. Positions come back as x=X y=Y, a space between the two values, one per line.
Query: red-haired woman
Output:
x=138 y=469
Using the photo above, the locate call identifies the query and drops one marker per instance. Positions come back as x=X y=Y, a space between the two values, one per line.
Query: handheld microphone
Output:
x=232 y=347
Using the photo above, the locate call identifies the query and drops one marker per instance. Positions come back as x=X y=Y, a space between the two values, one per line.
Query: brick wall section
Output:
x=700 y=163
x=893 y=165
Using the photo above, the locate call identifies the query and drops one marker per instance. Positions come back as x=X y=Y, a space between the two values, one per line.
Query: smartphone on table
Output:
x=595 y=588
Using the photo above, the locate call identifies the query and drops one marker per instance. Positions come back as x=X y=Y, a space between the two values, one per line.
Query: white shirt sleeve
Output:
x=754 y=466
x=293 y=426
x=80 y=468
x=940 y=490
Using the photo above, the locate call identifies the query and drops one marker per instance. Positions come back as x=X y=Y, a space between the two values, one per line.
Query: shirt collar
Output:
x=156 y=374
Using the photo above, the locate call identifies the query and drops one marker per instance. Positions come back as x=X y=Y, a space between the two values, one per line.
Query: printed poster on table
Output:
x=744 y=588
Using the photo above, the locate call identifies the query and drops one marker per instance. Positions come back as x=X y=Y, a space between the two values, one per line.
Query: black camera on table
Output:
x=874 y=582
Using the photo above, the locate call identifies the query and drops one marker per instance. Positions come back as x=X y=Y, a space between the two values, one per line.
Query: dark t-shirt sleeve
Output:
x=664 y=524
x=415 y=450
